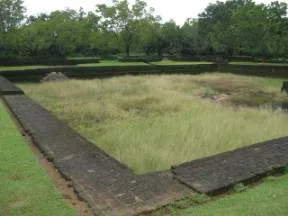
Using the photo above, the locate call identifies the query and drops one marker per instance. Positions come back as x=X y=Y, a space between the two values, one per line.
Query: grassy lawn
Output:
x=266 y=199
x=102 y=64
x=259 y=63
x=11 y=68
x=153 y=122
x=112 y=63
x=26 y=190
x=169 y=62
x=116 y=63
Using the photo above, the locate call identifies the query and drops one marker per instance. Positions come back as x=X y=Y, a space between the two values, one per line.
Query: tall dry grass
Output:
x=153 y=122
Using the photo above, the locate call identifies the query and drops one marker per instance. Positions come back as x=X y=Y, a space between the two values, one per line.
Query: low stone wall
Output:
x=107 y=71
x=8 y=88
x=35 y=75
x=255 y=70
x=220 y=171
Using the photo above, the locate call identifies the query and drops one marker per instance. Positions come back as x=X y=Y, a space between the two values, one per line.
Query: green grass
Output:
x=169 y=62
x=259 y=63
x=112 y=63
x=102 y=64
x=163 y=62
x=153 y=122
x=266 y=199
x=116 y=63
x=12 y=68
x=26 y=190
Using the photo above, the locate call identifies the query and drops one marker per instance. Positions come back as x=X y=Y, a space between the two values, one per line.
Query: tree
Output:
x=124 y=21
x=277 y=28
x=234 y=27
x=249 y=25
x=171 y=38
x=191 y=42
x=58 y=34
x=151 y=38
x=11 y=14
x=215 y=25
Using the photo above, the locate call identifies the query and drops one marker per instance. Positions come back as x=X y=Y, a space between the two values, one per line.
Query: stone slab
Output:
x=8 y=88
x=109 y=187
x=218 y=172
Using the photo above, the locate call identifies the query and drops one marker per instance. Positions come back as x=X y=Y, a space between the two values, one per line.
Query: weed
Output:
x=239 y=188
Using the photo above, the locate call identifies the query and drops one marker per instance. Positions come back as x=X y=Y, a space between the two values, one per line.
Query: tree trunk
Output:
x=127 y=49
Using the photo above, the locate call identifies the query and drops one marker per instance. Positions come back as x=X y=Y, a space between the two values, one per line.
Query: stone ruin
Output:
x=54 y=77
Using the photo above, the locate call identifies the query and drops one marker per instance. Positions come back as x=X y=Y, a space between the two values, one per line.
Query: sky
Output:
x=178 y=10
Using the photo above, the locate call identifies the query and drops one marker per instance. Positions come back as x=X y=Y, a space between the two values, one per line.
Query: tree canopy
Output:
x=234 y=27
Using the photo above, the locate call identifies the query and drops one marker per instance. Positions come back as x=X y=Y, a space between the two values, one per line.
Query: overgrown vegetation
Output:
x=26 y=190
x=153 y=122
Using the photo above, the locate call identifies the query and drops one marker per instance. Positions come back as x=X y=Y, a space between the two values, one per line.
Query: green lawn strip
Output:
x=101 y=64
x=26 y=189
x=112 y=63
x=266 y=199
x=169 y=62
x=104 y=63
x=259 y=63
x=12 y=68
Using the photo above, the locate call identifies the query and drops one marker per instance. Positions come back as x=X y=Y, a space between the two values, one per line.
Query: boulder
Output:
x=54 y=77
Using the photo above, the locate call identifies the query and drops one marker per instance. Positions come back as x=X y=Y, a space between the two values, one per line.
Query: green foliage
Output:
x=244 y=27
x=231 y=28
x=193 y=200
x=239 y=188
x=11 y=14
x=201 y=198
x=124 y=21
